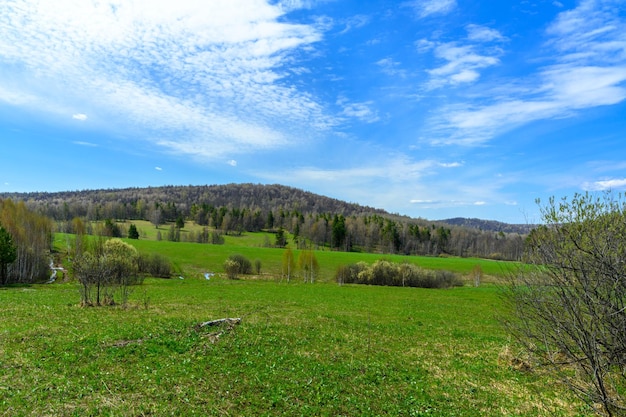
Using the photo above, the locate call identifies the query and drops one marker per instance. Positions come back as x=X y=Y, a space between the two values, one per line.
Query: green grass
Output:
x=194 y=259
x=300 y=349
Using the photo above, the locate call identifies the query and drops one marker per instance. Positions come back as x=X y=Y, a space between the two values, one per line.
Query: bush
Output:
x=244 y=266
x=231 y=268
x=399 y=275
x=155 y=265
x=217 y=238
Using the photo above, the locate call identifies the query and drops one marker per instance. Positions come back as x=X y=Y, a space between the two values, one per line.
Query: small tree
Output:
x=8 y=254
x=281 y=239
x=107 y=268
x=569 y=300
x=180 y=222
x=123 y=266
x=133 y=233
x=307 y=262
x=477 y=274
x=289 y=264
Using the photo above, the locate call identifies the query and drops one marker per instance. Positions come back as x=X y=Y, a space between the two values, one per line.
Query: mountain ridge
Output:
x=263 y=196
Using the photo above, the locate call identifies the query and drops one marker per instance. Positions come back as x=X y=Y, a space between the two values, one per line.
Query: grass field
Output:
x=301 y=349
x=193 y=259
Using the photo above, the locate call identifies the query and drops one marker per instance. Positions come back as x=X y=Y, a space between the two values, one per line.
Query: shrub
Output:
x=231 y=268
x=155 y=265
x=217 y=238
x=383 y=272
x=244 y=266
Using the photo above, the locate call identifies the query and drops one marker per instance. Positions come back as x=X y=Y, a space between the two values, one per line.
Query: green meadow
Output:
x=300 y=349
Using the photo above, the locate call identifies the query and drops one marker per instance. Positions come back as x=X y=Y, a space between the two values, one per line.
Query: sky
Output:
x=426 y=108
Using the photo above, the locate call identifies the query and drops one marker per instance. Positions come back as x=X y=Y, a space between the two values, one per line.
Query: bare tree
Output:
x=569 y=300
x=289 y=264
x=307 y=262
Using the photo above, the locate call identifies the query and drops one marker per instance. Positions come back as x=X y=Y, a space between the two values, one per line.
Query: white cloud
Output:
x=588 y=69
x=391 y=67
x=451 y=164
x=189 y=73
x=463 y=61
x=79 y=116
x=608 y=184
x=83 y=143
x=479 y=33
x=232 y=163
x=425 y=8
x=361 y=111
x=158 y=168
x=355 y=22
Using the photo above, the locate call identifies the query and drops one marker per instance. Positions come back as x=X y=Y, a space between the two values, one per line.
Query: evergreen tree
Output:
x=8 y=254
x=180 y=222
x=132 y=232
x=338 y=231
x=281 y=240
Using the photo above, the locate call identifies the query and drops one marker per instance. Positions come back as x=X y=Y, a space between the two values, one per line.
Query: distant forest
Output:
x=311 y=219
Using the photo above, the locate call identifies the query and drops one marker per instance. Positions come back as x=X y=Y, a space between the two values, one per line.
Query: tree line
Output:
x=309 y=218
x=26 y=243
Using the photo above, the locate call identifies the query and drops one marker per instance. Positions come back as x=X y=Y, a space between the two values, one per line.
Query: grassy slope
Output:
x=301 y=349
x=195 y=259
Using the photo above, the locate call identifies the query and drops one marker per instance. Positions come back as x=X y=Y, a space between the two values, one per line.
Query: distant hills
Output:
x=258 y=196
x=489 y=225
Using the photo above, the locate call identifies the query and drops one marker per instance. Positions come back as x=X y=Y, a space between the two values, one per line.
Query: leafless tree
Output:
x=569 y=300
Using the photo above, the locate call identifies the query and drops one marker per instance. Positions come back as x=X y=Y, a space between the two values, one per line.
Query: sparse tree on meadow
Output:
x=289 y=264
x=109 y=267
x=307 y=262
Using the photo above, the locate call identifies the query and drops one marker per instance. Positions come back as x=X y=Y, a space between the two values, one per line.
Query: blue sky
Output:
x=429 y=108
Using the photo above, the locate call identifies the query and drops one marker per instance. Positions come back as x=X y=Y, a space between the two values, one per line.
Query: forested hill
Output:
x=257 y=196
x=489 y=225
x=308 y=217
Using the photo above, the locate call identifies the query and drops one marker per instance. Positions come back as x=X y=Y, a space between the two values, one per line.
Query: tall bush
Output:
x=384 y=272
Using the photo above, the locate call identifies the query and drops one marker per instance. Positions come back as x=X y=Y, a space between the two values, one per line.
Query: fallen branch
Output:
x=230 y=321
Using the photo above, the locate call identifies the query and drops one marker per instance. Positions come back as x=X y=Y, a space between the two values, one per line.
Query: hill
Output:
x=259 y=196
x=311 y=219
x=489 y=225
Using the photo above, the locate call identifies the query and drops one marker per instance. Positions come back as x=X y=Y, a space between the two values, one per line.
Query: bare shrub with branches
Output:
x=569 y=299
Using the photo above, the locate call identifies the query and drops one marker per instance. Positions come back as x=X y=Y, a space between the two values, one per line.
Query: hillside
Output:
x=489 y=225
x=312 y=219
x=259 y=196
